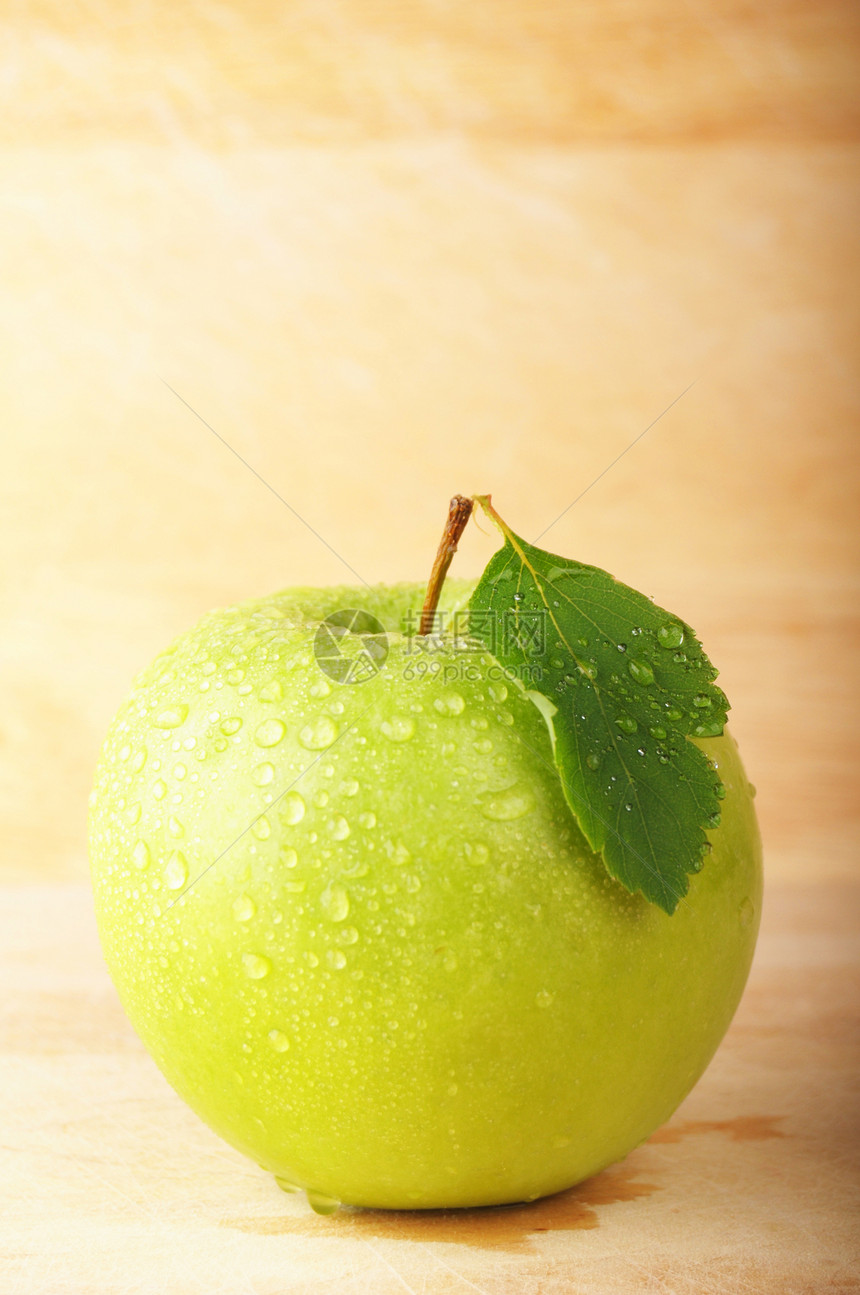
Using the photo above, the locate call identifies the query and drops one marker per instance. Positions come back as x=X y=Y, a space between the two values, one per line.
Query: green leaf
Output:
x=623 y=685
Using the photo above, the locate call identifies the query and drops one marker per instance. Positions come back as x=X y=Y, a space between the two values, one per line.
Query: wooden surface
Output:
x=599 y=259
x=110 y=1184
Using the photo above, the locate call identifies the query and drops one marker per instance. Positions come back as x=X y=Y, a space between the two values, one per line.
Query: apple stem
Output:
x=459 y=512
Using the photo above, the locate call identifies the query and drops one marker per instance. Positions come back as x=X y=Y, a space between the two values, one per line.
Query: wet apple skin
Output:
x=400 y=977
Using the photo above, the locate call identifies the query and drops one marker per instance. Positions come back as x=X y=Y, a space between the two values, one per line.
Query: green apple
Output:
x=361 y=934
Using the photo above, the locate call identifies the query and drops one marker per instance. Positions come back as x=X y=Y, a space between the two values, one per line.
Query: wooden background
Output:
x=387 y=252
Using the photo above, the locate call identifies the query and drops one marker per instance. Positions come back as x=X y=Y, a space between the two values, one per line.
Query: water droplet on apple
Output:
x=476 y=852
x=504 y=806
x=139 y=760
x=270 y=732
x=640 y=671
x=256 y=966
x=450 y=703
x=498 y=692
x=140 y=855
x=174 y=827
x=180 y=772
x=400 y=728
x=132 y=813
x=292 y=808
x=271 y=691
x=397 y=852
x=280 y=1043
x=335 y=902
x=322 y=1204
x=339 y=828
x=543 y=998
x=350 y=787
x=231 y=725
x=262 y=828
x=172 y=717
x=176 y=871
x=288 y=856
x=484 y=747
x=319 y=734
x=286 y=1186
x=263 y=774
x=336 y=959
x=244 y=908
x=349 y=935
x=367 y=819
x=670 y=635
x=236 y=675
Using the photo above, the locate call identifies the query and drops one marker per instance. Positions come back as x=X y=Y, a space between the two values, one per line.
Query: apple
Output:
x=360 y=932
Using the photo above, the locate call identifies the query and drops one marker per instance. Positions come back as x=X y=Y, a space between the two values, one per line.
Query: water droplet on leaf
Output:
x=640 y=671
x=670 y=635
